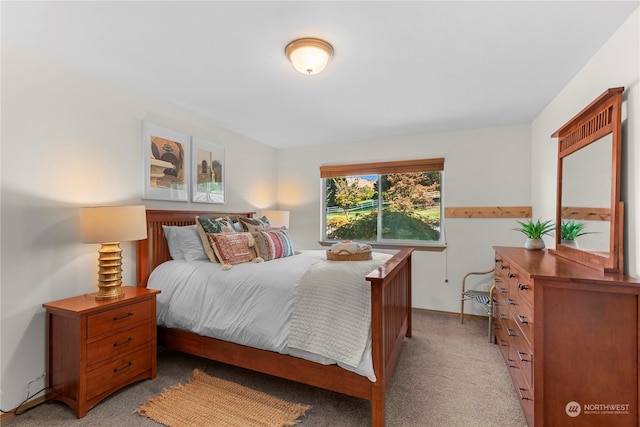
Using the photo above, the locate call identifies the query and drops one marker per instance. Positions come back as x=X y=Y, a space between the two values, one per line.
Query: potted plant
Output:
x=570 y=230
x=534 y=232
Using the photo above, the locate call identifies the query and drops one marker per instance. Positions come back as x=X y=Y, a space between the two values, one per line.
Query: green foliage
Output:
x=364 y=227
x=404 y=226
x=341 y=193
x=569 y=230
x=406 y=191
x=535 y=230
x=395 y=225
x=336 y=222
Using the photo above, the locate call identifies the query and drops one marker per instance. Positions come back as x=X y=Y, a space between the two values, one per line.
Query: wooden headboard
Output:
x=153 y=250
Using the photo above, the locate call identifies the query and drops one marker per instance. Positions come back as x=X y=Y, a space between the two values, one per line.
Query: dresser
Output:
x=97 y=347
x=569 y=336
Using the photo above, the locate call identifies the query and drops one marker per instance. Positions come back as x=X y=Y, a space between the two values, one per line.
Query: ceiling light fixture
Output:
x=308 y=55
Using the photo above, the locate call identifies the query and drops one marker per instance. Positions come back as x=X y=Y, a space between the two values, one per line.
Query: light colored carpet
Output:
x=447 y=375
x=211 y=401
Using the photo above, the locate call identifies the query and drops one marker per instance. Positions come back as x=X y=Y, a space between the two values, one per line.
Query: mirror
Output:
x=586 y=197
x=588 y=214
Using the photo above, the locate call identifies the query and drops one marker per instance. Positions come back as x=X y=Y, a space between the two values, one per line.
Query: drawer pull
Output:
x=502 y=266
x=511 y=332
x=503 y=290
x=522 y=319
x=522 y=287
x=511 y=302
x=510 y=275
x=118 y=370
x=127 y=341
x=522 y=396
x=504 y=343
x=512 y=364
x=502 y=316
x=115 y=319
x=522 y=357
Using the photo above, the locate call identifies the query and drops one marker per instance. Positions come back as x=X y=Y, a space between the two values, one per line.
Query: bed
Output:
x=390 y=322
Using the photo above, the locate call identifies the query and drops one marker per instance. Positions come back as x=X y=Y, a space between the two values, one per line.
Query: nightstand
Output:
x=95 y=348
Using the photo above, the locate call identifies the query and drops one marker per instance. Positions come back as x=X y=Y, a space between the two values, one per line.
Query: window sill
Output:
x=425 y=248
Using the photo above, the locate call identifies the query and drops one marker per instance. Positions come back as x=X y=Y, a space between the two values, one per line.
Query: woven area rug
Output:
x=210 y=401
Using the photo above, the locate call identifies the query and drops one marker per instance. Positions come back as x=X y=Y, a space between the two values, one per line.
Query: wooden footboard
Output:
x=390 y=323
x=390 y=317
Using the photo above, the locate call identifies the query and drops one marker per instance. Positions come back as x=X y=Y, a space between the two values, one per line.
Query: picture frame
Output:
x=165 y=163
x=207 y=171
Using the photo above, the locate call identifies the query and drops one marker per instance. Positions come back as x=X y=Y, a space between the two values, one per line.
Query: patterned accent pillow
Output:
x=218 y=225
x=233 y=248
x=273 y=244
x=208 y=225
x=251 y=224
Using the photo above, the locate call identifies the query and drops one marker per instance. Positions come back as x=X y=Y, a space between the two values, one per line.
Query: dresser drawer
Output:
x=502 y=288
x=522 y=288
x=102 y=323
x=118 y=344
x=502 y=340
x=522 y=315
x=525 y=395
x=113 y=374
x=524 y=360
x=520 y=354
x=502 y=269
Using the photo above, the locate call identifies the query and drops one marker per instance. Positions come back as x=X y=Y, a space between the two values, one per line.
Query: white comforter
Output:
x=250 y=304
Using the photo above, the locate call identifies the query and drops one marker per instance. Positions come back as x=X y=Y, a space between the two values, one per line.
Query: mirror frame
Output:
x=601 y=117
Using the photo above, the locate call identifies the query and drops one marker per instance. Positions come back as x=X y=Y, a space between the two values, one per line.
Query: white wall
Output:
x=71 y=140
x=616 y=64
x=485 y=167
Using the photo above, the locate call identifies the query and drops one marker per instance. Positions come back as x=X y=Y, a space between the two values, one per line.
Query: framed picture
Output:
x=165 y=162
x=207 y=173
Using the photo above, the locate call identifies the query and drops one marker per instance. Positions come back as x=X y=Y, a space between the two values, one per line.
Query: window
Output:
x=387 y=203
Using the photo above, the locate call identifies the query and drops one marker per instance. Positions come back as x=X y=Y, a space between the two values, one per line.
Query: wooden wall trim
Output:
x=488 y=212
x=591 y=214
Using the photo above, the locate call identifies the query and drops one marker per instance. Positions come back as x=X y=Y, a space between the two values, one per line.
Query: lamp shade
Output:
x=103 y=224
x=309 y=55
x=276 y=218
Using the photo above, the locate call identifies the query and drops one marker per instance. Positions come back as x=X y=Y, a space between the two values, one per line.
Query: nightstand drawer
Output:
x=121 y=370
x=99 y=324
x=118 y=344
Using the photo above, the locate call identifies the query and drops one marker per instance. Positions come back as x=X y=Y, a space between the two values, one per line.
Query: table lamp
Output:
x=110 y=225
x=277 y=219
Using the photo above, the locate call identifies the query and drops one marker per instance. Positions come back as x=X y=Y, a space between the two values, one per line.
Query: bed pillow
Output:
x=191 y=244
x=184 y=242
x=173 y=241
x=207 y=226
x=273 y=243
x=251 y=224
x=233 y=248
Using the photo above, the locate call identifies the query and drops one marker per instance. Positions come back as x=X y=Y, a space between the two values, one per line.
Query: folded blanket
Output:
x=332 y=310
x=351 y=247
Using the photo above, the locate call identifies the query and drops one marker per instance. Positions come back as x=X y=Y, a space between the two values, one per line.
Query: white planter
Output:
x=569 y=243
x=534 y=244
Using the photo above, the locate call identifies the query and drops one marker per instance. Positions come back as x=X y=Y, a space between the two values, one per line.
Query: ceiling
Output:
x=400 y=68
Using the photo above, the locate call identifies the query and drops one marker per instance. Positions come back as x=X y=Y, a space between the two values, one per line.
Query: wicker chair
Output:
x=485 y=298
